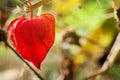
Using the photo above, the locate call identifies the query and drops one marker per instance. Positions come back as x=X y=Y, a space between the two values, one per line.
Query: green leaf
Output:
x=38 y=4
x=19 y=3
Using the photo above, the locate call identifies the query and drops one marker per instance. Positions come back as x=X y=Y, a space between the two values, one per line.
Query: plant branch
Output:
x=36 y=73
x=110 y=59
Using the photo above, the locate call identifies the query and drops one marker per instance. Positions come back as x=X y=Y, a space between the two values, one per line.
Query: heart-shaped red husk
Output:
x=32 y=38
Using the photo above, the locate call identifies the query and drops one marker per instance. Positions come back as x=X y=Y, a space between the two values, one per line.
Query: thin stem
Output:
x=114 y=52
x=36 y=73
x=31 y=10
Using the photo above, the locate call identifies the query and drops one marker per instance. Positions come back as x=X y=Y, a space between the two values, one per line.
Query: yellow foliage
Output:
x=79 y=58
x=101 y=39
x=116 y=3
x=63 y=6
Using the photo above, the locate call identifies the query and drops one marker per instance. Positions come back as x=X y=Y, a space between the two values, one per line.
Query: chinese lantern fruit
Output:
x=32 y=38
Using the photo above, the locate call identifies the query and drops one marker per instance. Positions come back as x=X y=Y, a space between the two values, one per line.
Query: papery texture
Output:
x=32 y=38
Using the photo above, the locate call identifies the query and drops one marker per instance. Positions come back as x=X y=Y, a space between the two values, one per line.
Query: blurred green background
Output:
x=91 y=20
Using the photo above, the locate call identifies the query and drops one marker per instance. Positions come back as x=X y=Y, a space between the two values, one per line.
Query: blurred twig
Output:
x=3 y=38
x=67 y=64
x=3 y=16
x=110 y=59
x=115 y=50
x=36 y=73
x=66 y=69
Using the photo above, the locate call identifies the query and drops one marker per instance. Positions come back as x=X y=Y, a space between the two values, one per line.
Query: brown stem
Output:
x=110 y=59
x=36 y=73
x=31 y=10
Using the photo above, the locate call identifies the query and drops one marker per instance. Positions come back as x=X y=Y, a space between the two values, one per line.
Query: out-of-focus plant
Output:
x=64 y=6
x=94 y=26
